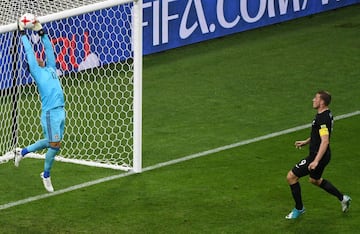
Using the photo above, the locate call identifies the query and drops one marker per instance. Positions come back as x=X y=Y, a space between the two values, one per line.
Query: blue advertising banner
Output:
x=172 y=23
x=80 y=42
x=99 y=38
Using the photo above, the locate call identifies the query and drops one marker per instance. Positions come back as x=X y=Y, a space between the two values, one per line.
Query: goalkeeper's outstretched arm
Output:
x=30 y=55
x=49 y=51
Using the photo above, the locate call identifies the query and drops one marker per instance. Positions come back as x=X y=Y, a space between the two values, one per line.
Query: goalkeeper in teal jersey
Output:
x=52 y=103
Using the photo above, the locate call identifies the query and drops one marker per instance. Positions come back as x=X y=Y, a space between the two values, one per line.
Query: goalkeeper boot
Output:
x=295 y=213
x=47 y=183
x=18 y=157
x=345 y=203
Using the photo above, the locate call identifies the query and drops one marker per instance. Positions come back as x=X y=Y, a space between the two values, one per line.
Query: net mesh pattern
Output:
x=95 y=66
x=11 y=10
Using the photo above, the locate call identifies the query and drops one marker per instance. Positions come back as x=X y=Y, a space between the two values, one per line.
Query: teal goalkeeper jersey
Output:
x=47 y=81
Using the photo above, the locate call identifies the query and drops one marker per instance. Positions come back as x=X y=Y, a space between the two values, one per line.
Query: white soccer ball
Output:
x=27 y=20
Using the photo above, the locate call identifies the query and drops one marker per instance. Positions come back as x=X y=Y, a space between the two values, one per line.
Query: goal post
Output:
x=138 y=53
x=98 y=49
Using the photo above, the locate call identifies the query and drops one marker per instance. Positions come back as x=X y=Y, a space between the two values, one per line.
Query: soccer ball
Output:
x=27 y=20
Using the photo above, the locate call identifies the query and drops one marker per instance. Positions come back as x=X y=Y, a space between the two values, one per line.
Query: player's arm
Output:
x=49 y=51
x=323 y=147
x=299 y=144
x=30 y=55
x=324 y=136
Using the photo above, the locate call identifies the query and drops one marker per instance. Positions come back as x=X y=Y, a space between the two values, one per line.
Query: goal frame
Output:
x=137 y=45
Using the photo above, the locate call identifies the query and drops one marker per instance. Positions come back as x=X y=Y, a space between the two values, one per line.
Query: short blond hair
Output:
x=325 y=96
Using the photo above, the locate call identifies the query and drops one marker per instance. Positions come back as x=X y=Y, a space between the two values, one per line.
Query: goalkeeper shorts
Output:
x=53 y=123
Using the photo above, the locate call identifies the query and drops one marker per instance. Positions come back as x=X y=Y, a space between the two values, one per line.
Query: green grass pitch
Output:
x=205 y=96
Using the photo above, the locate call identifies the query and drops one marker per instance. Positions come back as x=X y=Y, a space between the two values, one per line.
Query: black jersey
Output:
x=321 y=125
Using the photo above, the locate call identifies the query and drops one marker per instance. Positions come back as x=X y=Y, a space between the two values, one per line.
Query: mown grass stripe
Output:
x=171 y=162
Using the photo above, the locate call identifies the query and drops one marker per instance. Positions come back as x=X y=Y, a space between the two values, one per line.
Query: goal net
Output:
x=98 y=50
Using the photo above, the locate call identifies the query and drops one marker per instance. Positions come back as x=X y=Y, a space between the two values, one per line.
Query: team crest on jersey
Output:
x=56 y=136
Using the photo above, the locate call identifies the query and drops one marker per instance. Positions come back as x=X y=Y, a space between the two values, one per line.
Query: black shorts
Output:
x=301 y=168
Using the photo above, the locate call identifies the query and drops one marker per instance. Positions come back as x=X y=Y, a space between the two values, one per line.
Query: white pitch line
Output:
x=241 y=143
x=171 y=162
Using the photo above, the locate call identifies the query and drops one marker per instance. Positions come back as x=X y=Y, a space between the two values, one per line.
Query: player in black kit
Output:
x=319 y=156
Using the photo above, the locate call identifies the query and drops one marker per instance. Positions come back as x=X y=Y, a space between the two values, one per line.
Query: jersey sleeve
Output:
x=49 y=52
x=30 y=55
x=325 y=123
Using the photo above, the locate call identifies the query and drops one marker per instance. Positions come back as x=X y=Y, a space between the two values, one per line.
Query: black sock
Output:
x=328 y=187
x=296 y=193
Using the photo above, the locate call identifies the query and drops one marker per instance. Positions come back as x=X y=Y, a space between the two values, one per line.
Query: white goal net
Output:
x=98 y=50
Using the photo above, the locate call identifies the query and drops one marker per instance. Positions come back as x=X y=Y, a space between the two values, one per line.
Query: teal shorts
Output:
x=53 y=123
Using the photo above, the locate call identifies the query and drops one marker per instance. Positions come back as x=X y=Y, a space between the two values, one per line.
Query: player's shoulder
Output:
x=324 y=116
x=327 y=114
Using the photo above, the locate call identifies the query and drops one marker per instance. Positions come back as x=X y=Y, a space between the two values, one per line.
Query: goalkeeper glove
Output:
x=20 y=28
x=38 y=28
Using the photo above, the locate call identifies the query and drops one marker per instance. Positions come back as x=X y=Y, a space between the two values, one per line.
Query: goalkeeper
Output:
x=52 y=103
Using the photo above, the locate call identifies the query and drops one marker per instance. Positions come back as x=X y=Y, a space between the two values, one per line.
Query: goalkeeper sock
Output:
x=46 y=174
x=49 y=160
x=24 y=151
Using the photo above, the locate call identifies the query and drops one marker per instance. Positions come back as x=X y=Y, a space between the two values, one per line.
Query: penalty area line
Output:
x=168 y=163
